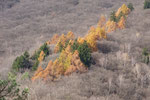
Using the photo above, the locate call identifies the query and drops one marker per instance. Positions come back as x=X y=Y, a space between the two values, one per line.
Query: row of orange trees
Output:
x=75 y=53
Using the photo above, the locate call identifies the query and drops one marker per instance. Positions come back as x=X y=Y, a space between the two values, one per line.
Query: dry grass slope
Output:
x=118 y=73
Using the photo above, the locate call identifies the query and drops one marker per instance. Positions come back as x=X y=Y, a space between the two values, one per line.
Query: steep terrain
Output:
x=29 y=22
x=118 y=73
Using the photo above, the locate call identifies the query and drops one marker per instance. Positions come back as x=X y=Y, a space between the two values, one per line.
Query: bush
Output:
x=147 y=4
x=113 y=16
x=130 y=6
x=21 y=62
x=85 y=54
x=26 y=54
x=145 y=54
x=9 y=88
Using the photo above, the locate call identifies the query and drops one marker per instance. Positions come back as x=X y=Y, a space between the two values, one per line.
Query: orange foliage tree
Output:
x=53 y=40
x=63 y=40
x=41 y=56
x=66 y=64
x=124 y=9
x=111 y=26
x=121 y=23
x=93 y=35
x=102 y=21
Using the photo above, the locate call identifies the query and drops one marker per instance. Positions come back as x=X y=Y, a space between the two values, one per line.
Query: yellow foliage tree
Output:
x=102 y=21
x=111 y=26
x=101 y=33
x=40 y=69
x=91 y=40
x=124 y=9
x=63 y=39
x=80 y=40
x=41 y=57
x=121 y=23
x=70 y=35
x=76 y=65
x=93 y=35
x=53 y=40
x=66 y=64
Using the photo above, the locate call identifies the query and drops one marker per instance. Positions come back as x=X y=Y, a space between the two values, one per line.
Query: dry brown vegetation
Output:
x=118 y=72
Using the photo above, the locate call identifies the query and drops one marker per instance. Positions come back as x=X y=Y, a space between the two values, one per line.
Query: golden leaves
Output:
x=66 y=64
x=62 y=41
x=53 y=40
x=102 y=21
x=80 y=40
x=111 y=26
x=121 y=23
x=93 y=35
x=41 y=57
x=124 y=9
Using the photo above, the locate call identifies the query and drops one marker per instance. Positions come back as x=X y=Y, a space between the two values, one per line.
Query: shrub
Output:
x=9 y=88
x=130 y=6
x=113 y=16
x=35 y=65
x=147 y=4
x=85 y=54
x=145 y=54
x=21 y=62
x=26 y=54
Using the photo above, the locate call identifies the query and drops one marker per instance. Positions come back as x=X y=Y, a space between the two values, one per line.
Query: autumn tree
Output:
x=124 y=9
x=63 y=41
x=85 y=54
x=53 y=40
x=121 y=23
x=111 y=26
x=101 y=33
x=102 y=21
x=42 y=56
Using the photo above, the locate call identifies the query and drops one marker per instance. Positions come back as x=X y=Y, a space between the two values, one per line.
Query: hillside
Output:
x=118 y=72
